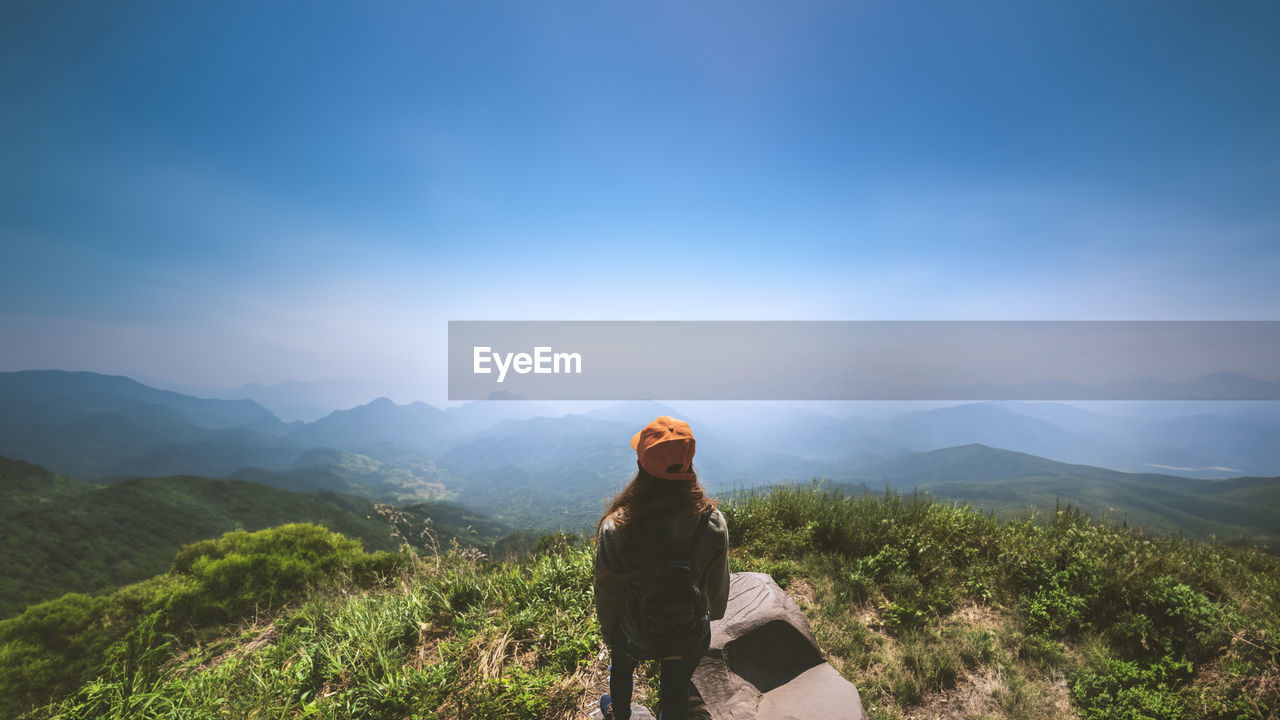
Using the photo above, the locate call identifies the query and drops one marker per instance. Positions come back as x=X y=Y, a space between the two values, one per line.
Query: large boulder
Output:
x=764 y=663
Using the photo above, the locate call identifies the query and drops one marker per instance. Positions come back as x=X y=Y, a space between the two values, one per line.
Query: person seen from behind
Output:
x=661 y=571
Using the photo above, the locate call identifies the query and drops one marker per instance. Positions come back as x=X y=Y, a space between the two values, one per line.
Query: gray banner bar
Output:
x=864 y=360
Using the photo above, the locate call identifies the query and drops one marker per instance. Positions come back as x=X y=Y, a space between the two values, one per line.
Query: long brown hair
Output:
x=647 y=497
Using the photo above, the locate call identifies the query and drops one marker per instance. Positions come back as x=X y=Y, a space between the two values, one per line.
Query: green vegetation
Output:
x=62 y=535
x=313 y=626
x=55 y=647
x=924 y=605
x=912 y=597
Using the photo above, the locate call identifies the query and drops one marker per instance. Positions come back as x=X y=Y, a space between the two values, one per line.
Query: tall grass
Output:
x=455 y=636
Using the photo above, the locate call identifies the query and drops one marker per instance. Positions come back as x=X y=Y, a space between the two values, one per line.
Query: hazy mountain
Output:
x=473 y=417
x=37 y=397
x=1244 y=446
x=990 y=424
x=1013 y=482
x=416 y=425
x=1214 y=386
x=848 y=441
x=1092 y=423
x=94 y=425
x=737 y=417
x=543 y=471
x=307 y=400
x=969 y=463
x=638 y=414
x=272 y=425
x=1037 y=389
x=506 y=458
x=555 y=471
x=1198 y=442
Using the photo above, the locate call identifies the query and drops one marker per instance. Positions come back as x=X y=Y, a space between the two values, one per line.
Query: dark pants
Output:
x=673 y=684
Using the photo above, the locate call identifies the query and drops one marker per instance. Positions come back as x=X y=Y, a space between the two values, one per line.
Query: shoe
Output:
x=606 y=707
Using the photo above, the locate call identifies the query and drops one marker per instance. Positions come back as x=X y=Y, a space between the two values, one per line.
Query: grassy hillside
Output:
x=932 y=610
x=1011 y=482
x=62 y=535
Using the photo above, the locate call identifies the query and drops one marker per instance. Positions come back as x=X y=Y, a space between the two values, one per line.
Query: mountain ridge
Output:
x=1012 y=482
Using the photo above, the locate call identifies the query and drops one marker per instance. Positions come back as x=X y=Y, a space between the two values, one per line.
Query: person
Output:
x=661 y=518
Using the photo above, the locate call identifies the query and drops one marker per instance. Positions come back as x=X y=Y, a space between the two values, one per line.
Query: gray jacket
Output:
x=710 y=559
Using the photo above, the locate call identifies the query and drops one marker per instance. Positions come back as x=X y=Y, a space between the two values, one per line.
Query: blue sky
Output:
x=233 y=192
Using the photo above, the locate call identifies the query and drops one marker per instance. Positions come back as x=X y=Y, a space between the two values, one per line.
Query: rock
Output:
x=764 y=663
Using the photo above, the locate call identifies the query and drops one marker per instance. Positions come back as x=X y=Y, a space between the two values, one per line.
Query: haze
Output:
x=230 y=193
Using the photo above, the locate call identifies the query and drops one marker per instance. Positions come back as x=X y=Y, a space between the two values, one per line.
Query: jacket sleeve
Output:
x=716 y=578
x=610 y=594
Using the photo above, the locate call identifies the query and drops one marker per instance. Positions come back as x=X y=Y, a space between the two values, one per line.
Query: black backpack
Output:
x=671 y=607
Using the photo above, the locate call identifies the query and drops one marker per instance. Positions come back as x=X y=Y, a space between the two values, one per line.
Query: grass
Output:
x=932 y=610
x=451 y=635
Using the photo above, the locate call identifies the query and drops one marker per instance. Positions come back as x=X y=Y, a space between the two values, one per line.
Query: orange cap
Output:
x=665 y=448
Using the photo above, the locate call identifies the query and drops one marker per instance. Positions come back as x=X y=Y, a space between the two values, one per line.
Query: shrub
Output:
x=55 y=647
x=1125 y=690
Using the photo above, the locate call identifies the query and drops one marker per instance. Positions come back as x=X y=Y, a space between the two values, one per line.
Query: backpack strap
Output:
x=703 y=520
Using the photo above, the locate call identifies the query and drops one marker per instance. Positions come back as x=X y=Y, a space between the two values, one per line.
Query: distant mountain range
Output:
x=1014 y=482
x=1214 y=386
x=305 y=401
x=518 y=463
x=159 y=468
